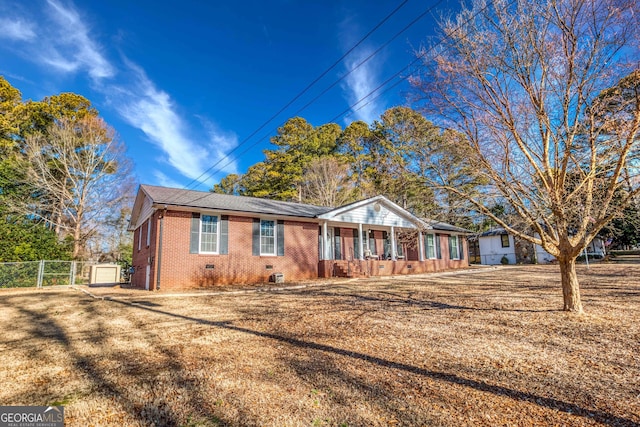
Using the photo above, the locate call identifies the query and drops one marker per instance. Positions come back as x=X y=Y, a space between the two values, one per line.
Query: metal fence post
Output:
x=72 y=273
x=40 y=273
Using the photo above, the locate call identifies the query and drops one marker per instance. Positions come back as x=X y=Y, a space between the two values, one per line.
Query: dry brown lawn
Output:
x=486 y=348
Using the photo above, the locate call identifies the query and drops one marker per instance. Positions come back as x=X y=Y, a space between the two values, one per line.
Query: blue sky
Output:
x=185 y=83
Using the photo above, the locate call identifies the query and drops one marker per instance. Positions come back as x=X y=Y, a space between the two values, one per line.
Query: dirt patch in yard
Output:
x=487 y=348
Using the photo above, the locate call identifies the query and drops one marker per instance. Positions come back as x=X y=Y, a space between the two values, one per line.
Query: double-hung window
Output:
x=504 y=240
x=208 y=234
x=267 y=237
x=431 y=246
x=454 y=252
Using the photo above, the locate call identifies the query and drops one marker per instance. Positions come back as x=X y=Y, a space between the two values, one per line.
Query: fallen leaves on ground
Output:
x=487 y=347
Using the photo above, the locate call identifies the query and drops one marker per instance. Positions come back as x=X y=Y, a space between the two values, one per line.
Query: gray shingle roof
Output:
x=437 y=225
x=225 y=202
x=494 y=232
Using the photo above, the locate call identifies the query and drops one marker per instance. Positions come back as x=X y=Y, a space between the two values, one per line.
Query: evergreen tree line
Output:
x=396 y=156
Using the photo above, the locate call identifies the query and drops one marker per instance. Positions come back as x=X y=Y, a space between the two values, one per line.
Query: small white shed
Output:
x=104 y=273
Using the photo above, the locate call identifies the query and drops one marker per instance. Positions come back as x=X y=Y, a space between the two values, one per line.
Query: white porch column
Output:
x=325 y=241
x=420 y=246
x=394 y=256
x=360 y=241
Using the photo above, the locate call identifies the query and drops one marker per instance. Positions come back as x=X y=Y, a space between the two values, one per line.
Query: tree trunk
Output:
x=570 y=285
x=77 y=246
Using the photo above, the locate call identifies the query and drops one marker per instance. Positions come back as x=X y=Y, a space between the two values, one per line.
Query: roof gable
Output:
x=374 y=211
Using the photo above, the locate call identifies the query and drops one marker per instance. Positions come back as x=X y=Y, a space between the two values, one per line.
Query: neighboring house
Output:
x=497 y=247
x=594 y=250
x=496 y=244
x=189 y=239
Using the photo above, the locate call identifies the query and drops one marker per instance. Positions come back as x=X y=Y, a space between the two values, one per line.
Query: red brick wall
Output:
x=146 y=255
x=180 y=269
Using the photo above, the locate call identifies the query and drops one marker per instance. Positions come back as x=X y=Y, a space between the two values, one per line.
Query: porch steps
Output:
x=348 y=269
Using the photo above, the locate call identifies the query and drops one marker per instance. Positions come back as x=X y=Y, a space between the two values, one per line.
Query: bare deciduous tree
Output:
x=525 y=81
x=80 y=175
x=326 y=182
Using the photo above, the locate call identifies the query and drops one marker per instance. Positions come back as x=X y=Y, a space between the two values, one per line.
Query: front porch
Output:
x=375 y=237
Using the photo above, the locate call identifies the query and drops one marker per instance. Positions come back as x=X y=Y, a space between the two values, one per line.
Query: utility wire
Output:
x=422 y=15
x=295 y=98
x=405 y=68
x=331 y=86
x=419 y=17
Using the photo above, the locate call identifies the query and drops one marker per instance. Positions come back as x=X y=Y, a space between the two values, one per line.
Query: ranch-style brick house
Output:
x=193 y=239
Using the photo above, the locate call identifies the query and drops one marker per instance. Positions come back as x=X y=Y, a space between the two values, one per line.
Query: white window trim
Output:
x=426 y=249
x=457 y=239
x=275 y=238
x=217 y=234
x=148 y=232
x=140 y=236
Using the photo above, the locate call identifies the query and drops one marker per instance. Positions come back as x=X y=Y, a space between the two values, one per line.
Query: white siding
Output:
x=369 y=215
x=491 y=250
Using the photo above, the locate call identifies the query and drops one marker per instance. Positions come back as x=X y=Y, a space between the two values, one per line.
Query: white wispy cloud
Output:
x=72 y=48
x=63 y=41
x=164 y=180
x=17 y=29
x=359 y=84
x=362 y=77
x=151 y=110
x=221 y=143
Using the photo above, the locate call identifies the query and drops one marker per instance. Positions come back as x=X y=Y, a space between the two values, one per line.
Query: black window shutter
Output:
x=461 y=247
x=438 y=248
x=256 y=236
x=337 y=244
x=280 y=236
x=194 y=243
x=224 y=235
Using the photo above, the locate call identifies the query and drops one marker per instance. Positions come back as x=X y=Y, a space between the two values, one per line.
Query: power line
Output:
x=405 y=68
x=295 y=98
x=418 y=58
x=422 y=15
x=419 y=17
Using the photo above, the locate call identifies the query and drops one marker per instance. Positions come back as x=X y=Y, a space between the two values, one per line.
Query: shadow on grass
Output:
x=555 y=404
x=389 y=298
x=45 y=327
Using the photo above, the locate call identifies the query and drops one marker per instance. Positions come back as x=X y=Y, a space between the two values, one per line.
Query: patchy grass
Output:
x=483 y=348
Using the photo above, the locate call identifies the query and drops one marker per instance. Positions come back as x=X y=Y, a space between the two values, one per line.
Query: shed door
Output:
x=106 y=274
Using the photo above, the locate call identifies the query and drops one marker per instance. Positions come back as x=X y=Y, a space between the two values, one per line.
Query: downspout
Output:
x=159 y=260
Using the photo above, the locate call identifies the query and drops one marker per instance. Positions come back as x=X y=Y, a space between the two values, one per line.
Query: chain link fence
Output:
x=44 y=273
